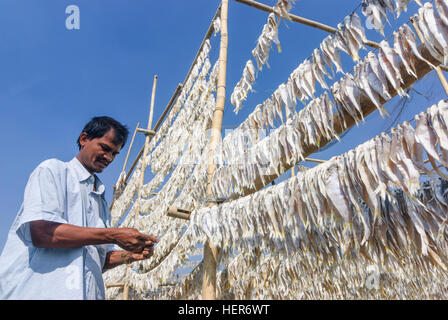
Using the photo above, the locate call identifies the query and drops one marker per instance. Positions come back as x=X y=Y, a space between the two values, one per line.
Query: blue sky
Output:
x=53 y=80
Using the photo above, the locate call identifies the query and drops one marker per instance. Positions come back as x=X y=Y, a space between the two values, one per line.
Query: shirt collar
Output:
x=84 y=175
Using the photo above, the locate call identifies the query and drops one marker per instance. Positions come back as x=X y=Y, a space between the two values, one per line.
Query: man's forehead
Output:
x=109 y=139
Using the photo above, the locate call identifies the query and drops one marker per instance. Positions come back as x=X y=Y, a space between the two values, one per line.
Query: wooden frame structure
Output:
x=210 y=252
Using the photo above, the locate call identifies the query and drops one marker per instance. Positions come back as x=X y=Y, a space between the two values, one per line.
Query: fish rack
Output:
x=279 y=242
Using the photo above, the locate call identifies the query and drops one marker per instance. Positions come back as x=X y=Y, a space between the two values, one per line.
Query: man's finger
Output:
x=151 y=238
x=149 y=243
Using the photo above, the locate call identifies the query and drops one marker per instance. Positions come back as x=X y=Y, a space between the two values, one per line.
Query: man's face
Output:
x=97 y=153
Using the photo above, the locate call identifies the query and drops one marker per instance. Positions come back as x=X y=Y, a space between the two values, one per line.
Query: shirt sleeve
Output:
x=43 y=200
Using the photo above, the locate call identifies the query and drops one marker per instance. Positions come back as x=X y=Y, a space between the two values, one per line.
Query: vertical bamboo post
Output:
x=142 y=179
x=130 y=146
x=437 y=69
x=210 y=252
x=293 y=171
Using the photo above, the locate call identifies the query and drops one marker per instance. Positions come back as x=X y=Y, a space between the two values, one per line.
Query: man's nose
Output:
x=109 y=157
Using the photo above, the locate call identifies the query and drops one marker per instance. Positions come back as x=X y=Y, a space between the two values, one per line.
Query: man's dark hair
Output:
x=99 y=126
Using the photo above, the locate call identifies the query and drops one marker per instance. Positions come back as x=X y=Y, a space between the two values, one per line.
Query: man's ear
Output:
x=83 y=138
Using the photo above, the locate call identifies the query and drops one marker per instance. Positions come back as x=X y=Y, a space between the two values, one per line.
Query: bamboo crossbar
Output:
x=305 y=21
x=145 y=131
x=315 y=160
x=113 y=285
x=367 y=107
x=175 y=212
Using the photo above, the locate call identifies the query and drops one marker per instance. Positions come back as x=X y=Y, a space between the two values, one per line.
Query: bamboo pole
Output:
x=178 y=213
x=437 y=68
x=210 y=252
x=293 y=170
x=315 y=160
x=114 y=285
x=305 y=21
x=142 y=178
x=130 y=146
x=146 y=131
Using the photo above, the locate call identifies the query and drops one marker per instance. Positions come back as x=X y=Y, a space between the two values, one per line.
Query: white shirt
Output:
x=61 y=192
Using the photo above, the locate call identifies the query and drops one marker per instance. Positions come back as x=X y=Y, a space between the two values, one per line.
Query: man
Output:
x=61 y=240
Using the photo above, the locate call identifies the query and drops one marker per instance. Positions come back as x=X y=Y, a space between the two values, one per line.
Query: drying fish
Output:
x=243 y=86
x=424 y=135
x=379 y=73
x=438 y=29
x=345 y=103
x=389 y=5
x=370 y=84
x=307 y=78
x=428 y=38
x=328 y=48
x=268 y=35
x=319 y=68
x=371 y=10
x=282 y=8
x=354 y=42
x=410 y=40
x=340 y=41
x=405 y=55
x=442 y=8
x=392 y=58
x=401 y=5
x=388 y=69
x=352 y=93
x=357 y=27
x=440 y=130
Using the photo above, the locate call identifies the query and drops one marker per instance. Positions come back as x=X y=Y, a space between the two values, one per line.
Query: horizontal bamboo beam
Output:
x=175 y=212
x=367 y=108
x=145 y=131
x=112 y=285
x=305 y=21
x=315 y=160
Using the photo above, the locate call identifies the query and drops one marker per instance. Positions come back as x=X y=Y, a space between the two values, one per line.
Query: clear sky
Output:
x=54 y=80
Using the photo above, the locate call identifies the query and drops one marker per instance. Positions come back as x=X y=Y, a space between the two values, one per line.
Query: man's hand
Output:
x=145 y=254
x=131 y=239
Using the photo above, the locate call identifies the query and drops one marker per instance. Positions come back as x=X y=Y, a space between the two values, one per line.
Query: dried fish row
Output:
x=372 y=78
x=268 y=35
x=157 y=222
x=123 y=202
x=434 y=28
x=322 y=205
x=180 y=131
x=304 y=275
x=183 y=96
x=243 y=86
x=186 y=162
x=168 y=241
x=301 y=85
